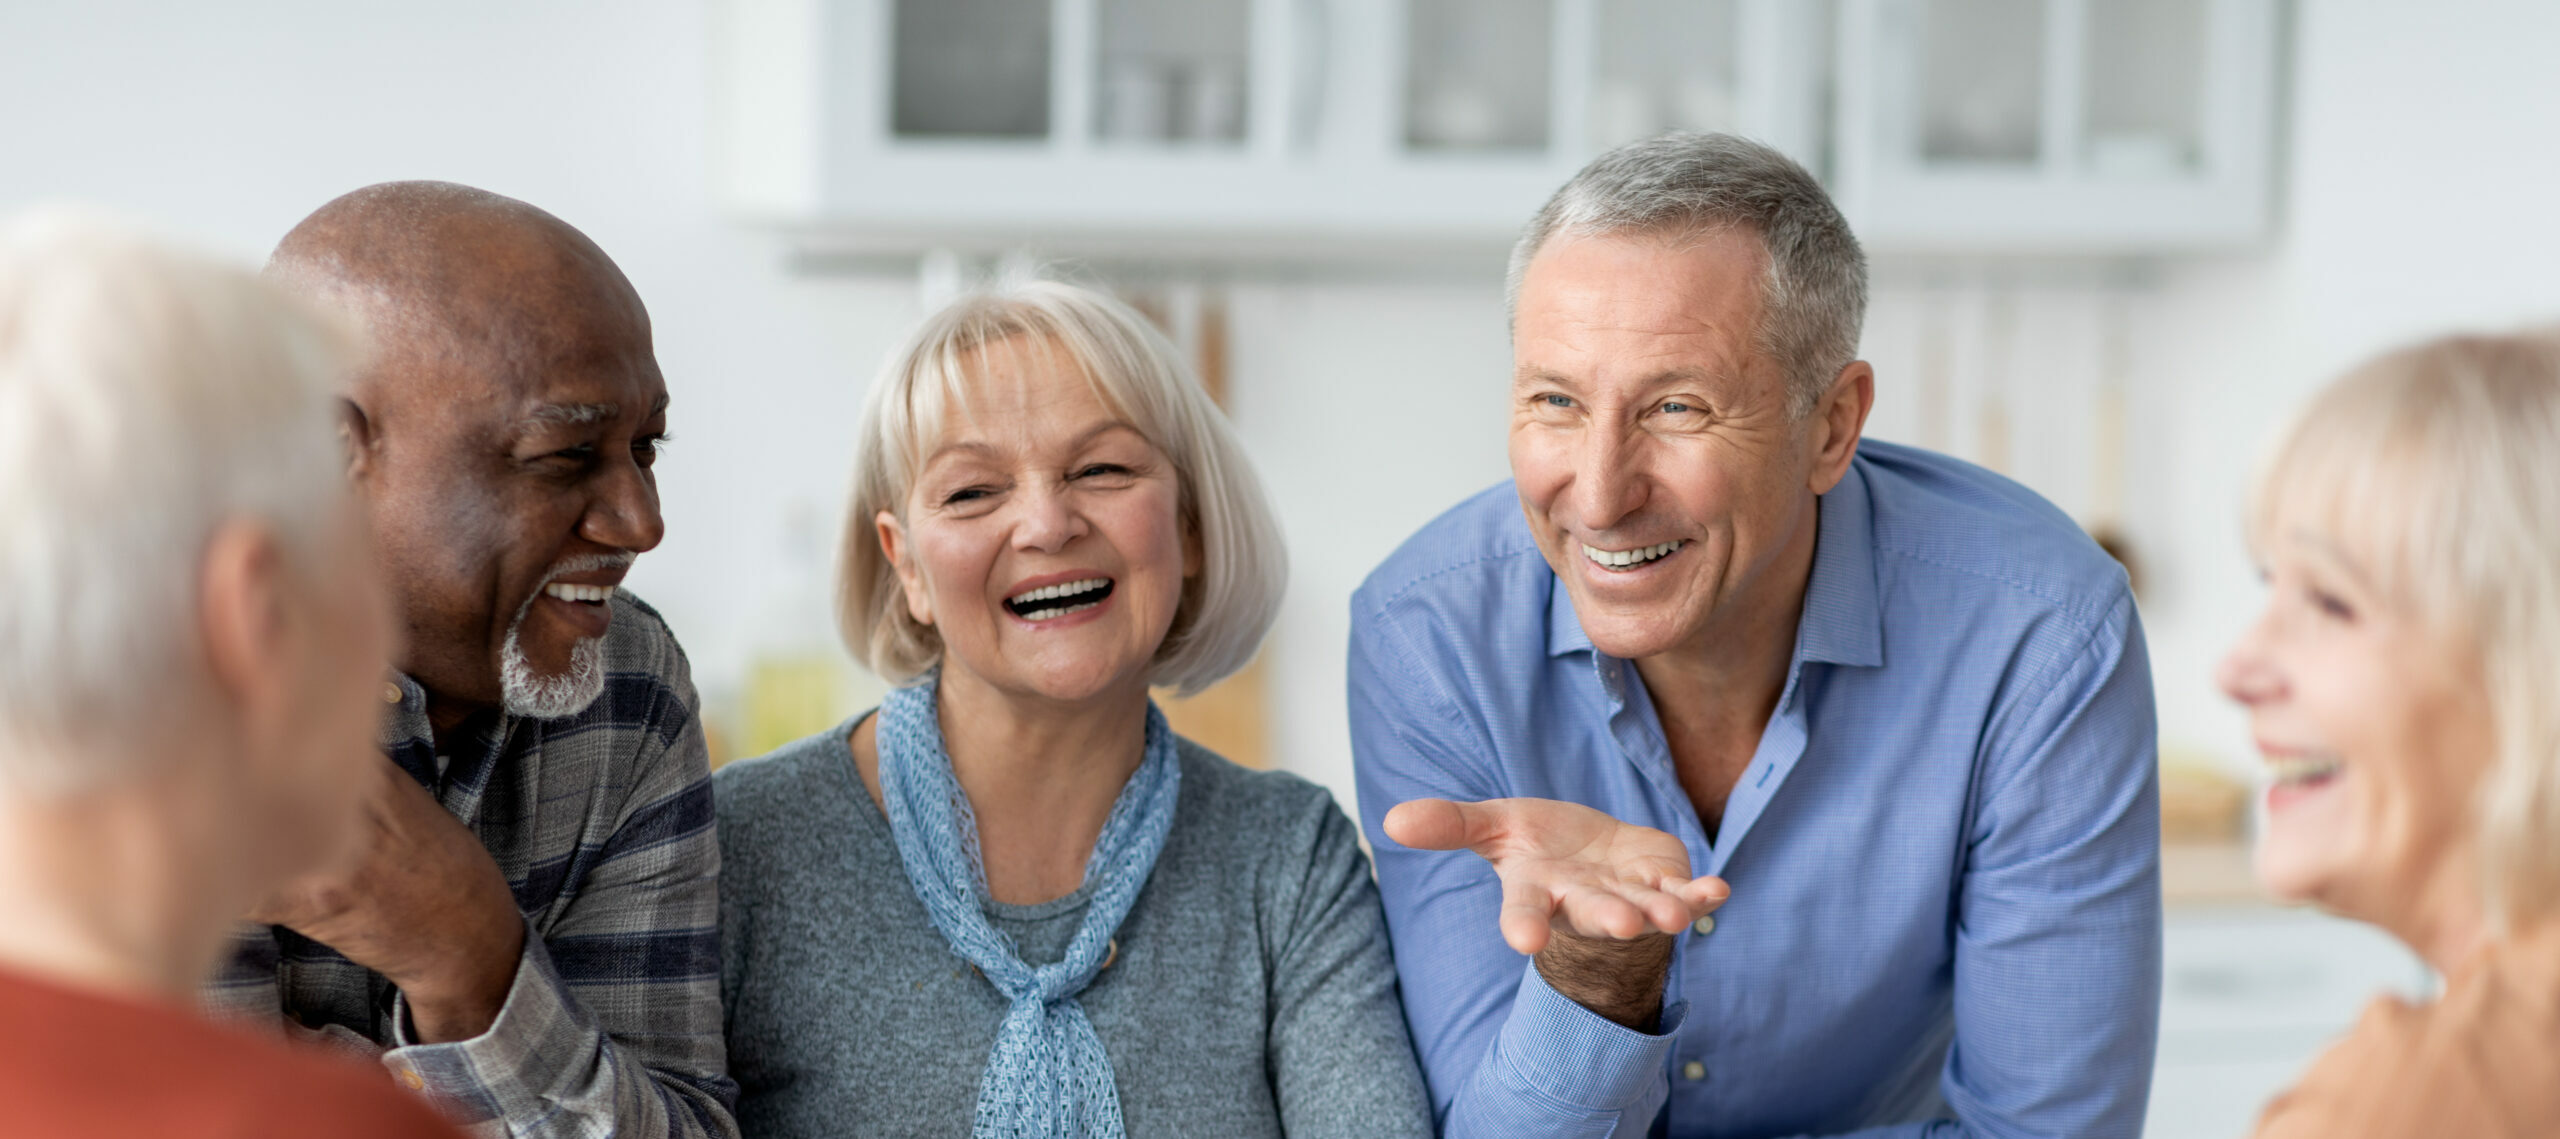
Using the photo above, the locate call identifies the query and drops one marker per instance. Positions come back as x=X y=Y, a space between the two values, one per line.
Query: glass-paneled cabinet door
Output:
x=1981 y=84
x=2062 y=125
x=1478 y=75
x=1662 y=65
x=1750 y=67
x=970 y=69
x=2144 y=114
x=1172 y=71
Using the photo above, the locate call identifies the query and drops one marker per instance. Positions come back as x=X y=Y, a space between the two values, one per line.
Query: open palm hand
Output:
x=1566 y=868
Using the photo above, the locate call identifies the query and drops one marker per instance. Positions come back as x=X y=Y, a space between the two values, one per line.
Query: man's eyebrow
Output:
x=1662 y=379
x=574 y=414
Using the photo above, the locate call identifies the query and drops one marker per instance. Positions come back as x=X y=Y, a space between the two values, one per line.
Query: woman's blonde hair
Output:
x=1140 y=376
x=2438 y=468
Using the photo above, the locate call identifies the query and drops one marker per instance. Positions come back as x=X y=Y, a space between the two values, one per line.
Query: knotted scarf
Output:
x=1047 y=1075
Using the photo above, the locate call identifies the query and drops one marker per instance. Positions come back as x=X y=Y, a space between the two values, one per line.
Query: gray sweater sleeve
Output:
x=1342 y=1064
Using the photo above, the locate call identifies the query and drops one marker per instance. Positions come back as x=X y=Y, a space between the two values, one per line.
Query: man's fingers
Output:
x=1705 y=894
x=1666 y=912
x=1627 y=910
x=1528 y=913
x=1601 y=913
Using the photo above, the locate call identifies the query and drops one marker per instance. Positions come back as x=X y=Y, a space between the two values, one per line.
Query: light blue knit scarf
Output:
x=1047 y=1075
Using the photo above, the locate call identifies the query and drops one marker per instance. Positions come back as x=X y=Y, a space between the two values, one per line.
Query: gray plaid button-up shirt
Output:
x=602 y=823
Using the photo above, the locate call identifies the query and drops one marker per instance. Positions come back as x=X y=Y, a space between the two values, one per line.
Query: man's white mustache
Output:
x=586 y=563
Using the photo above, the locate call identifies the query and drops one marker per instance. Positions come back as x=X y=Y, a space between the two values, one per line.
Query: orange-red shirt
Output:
x=2481 y=1062
x=83 y=1065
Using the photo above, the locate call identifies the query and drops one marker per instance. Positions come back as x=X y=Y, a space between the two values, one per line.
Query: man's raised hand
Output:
x=1566 y=868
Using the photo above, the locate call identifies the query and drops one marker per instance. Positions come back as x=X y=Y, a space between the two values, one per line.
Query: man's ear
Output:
x=245 y=623
x=1838 y=421
x=356 y=439
x=893 y=544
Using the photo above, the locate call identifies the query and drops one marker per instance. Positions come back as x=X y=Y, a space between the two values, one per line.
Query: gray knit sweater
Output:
x=1253 y=994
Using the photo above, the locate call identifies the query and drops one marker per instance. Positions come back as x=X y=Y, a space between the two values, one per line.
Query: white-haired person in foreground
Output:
x=191 y=633
x=1011 y=899
x=2403 y=684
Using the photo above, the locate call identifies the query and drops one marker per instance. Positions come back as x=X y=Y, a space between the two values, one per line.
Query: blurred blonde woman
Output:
x=2404 y=687
x=1011 y=901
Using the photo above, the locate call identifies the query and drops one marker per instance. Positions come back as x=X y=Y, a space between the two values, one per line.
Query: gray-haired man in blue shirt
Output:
x=1897 y=704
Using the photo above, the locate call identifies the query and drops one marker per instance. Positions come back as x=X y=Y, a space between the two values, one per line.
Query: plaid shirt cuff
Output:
x=515 y=1067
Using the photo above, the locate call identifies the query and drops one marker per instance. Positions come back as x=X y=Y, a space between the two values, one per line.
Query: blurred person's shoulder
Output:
x=2476 y=1062
x=84 y=1065
x=1476 y=557
x=1937 y=516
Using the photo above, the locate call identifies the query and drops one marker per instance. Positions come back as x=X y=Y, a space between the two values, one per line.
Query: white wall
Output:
x=226 y=123
x=2419 y=179
x=1371 y=409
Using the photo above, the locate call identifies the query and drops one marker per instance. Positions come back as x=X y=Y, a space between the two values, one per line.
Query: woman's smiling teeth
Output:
x=567 y=592
x=2302 y=771
x=1624 y=559
x=1053 y=601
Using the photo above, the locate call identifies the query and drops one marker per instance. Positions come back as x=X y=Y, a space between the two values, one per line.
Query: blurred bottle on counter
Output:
x=799 y=679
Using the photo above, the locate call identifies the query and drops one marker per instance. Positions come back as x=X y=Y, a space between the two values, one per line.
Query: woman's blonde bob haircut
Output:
x=1139 y=375
x=2437 y=470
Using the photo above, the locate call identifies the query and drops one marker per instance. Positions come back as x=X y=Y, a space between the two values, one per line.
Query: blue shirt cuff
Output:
x=1569 y=1053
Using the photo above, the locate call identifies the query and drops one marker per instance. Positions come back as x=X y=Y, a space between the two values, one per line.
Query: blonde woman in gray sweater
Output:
x=1010 y=901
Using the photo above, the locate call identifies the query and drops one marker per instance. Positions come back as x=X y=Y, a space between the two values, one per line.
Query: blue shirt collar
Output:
x=1843 y=623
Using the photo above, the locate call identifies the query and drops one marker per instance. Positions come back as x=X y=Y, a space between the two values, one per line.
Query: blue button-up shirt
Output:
x=1944 y=856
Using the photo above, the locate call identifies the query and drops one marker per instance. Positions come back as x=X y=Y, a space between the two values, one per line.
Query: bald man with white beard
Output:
x=531 y=934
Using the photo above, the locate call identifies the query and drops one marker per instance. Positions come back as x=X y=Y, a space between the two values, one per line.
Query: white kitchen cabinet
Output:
x=1291 y=128
x=2056 y=126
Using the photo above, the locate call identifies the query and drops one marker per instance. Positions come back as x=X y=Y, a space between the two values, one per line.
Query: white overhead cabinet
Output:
x=1298 y=128
x=2068 y=126
x=1374 y=128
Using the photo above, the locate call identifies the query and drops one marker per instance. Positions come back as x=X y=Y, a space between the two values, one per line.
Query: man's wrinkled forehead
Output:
x=535 y=413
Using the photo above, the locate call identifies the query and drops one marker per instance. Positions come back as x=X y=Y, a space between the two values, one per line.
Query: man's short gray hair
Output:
x=1814 y=297
x=146 y=397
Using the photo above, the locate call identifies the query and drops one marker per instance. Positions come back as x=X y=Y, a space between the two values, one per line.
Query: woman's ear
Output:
x=893 y=545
